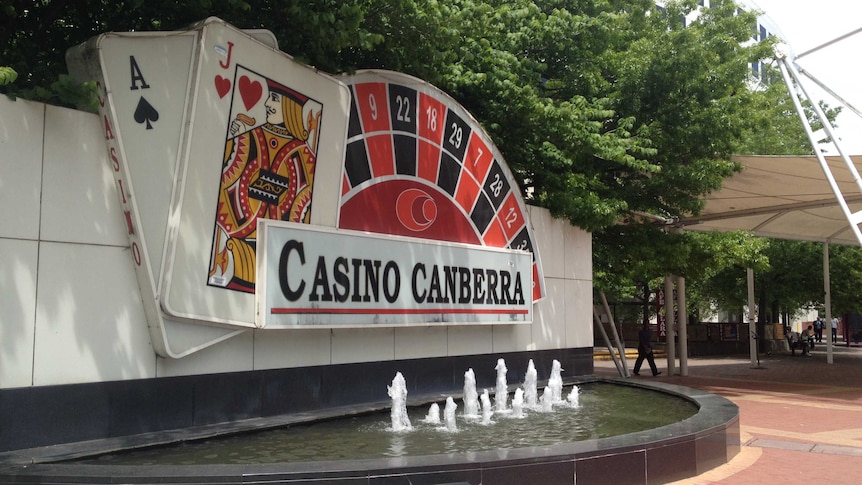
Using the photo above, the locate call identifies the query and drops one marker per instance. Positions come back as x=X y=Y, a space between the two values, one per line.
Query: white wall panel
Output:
x=79 y=201
x=21 y=134
x=419 y=342
x=549 y=324
x=470 y=339
x=274 y=349
x=362 y=345
x=579 y=314
x=578 y=256
x=513 y=338
x=550 y=241
x=89 y=320
x=232 y=355
x=18 y=263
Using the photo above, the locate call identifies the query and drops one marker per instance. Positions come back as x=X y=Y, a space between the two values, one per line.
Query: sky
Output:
x=806 y=24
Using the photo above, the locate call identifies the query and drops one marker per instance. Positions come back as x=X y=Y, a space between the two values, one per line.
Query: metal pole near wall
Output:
x=752 y=319
x=828 y=301
x=598 y=321
x=683 y=323
x=670 y=325
x=616 y=335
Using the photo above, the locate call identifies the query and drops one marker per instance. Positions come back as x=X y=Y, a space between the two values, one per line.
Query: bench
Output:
x=804 y=344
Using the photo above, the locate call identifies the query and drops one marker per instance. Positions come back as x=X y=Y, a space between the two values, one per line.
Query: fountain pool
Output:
x=605 y=410
x=654 y=454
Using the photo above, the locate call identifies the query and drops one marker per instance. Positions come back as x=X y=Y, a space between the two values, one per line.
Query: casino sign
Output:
x=241 y=135
x=419 y=169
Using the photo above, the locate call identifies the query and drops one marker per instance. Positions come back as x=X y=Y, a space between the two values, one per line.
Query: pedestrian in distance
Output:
x=807 y=341
x=818 y=329
x=645 y=351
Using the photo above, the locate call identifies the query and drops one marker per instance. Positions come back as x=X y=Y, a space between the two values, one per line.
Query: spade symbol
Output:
x=145 y=113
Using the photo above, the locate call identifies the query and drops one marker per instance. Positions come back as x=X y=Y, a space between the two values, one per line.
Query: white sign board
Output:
x=323 y=277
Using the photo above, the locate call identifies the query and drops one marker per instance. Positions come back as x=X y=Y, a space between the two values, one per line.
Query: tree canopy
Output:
x=603 y=109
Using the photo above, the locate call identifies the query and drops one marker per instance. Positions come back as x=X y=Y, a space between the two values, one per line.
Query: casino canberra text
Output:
x=340 y=279
x=360 y=278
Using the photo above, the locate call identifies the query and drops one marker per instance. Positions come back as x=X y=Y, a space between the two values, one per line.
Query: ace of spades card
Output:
x=143 y=81
x=146 y=78
x=266 y=138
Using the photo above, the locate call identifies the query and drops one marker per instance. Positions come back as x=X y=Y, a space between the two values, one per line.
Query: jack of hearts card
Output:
x=266 y=141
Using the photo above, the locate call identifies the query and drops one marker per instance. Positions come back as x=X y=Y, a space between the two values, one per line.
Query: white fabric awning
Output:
x=785 y=197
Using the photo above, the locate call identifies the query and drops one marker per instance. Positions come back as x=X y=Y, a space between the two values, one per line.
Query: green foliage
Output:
x=7 y=75
x=774 y=127
x=601 y=108
x=845 y=263
x=788 y=275
x=65 y=89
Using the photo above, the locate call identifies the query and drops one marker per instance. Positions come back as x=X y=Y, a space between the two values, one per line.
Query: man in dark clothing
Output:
x=645 y=351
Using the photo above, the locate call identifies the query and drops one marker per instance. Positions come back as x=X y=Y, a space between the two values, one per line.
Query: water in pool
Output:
x=602 y=410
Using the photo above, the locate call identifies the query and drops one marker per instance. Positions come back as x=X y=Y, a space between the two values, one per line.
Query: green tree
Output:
x=690 y=90
x=845 y=264
x=789 y=278
x=603 y=109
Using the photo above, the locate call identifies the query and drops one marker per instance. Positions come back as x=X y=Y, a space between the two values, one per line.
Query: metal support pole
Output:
x=619 y=342
x=669 y=323
x=752 y=319
x=788 y=70
x=827 y=288
x=601 y=326
x=683 y=323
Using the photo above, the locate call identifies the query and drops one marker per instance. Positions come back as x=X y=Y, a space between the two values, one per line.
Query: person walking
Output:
x=818 y=329
x=834 y=330
x=645 y=351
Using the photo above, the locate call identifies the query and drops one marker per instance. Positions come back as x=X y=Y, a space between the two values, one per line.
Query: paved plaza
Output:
x=800 y=417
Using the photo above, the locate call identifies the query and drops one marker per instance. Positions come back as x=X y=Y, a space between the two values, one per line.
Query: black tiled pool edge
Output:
x=673 y=452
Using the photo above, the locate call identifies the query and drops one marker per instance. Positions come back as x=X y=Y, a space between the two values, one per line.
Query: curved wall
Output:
x=73 y=329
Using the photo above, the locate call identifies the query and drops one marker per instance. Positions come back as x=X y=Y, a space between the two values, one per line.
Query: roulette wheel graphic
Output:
x=418 y=164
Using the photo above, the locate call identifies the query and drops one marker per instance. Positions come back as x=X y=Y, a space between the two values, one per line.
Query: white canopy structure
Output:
x=788 y=197
x=814 y=198
x=784 y=197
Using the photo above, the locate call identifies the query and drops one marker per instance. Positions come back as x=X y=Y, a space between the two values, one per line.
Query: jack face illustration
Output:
x=267 y=172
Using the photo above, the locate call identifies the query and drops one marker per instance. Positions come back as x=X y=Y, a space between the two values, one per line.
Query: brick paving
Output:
x=800 y=417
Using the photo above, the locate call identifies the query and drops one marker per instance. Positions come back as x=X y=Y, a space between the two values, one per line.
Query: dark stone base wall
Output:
x=42 y=416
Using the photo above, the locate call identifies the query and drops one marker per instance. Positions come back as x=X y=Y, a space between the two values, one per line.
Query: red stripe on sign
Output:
x=396 y=311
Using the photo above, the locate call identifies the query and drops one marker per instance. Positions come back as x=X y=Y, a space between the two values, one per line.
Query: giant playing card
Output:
x=266 y=135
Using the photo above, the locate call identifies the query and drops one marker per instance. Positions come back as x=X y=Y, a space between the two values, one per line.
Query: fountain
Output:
x=471 y=397
x=449 y=414
x=494 y=450
x=487 y=412
x=531 y=397
x=398 y=392
x=501 y=395
x=433 y=416
x=574 y=397
x=546 y=401
x=518 y=403
x=555 y=382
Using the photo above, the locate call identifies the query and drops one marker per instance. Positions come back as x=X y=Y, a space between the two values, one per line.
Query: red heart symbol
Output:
x=250 y=91
x=222 y=86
